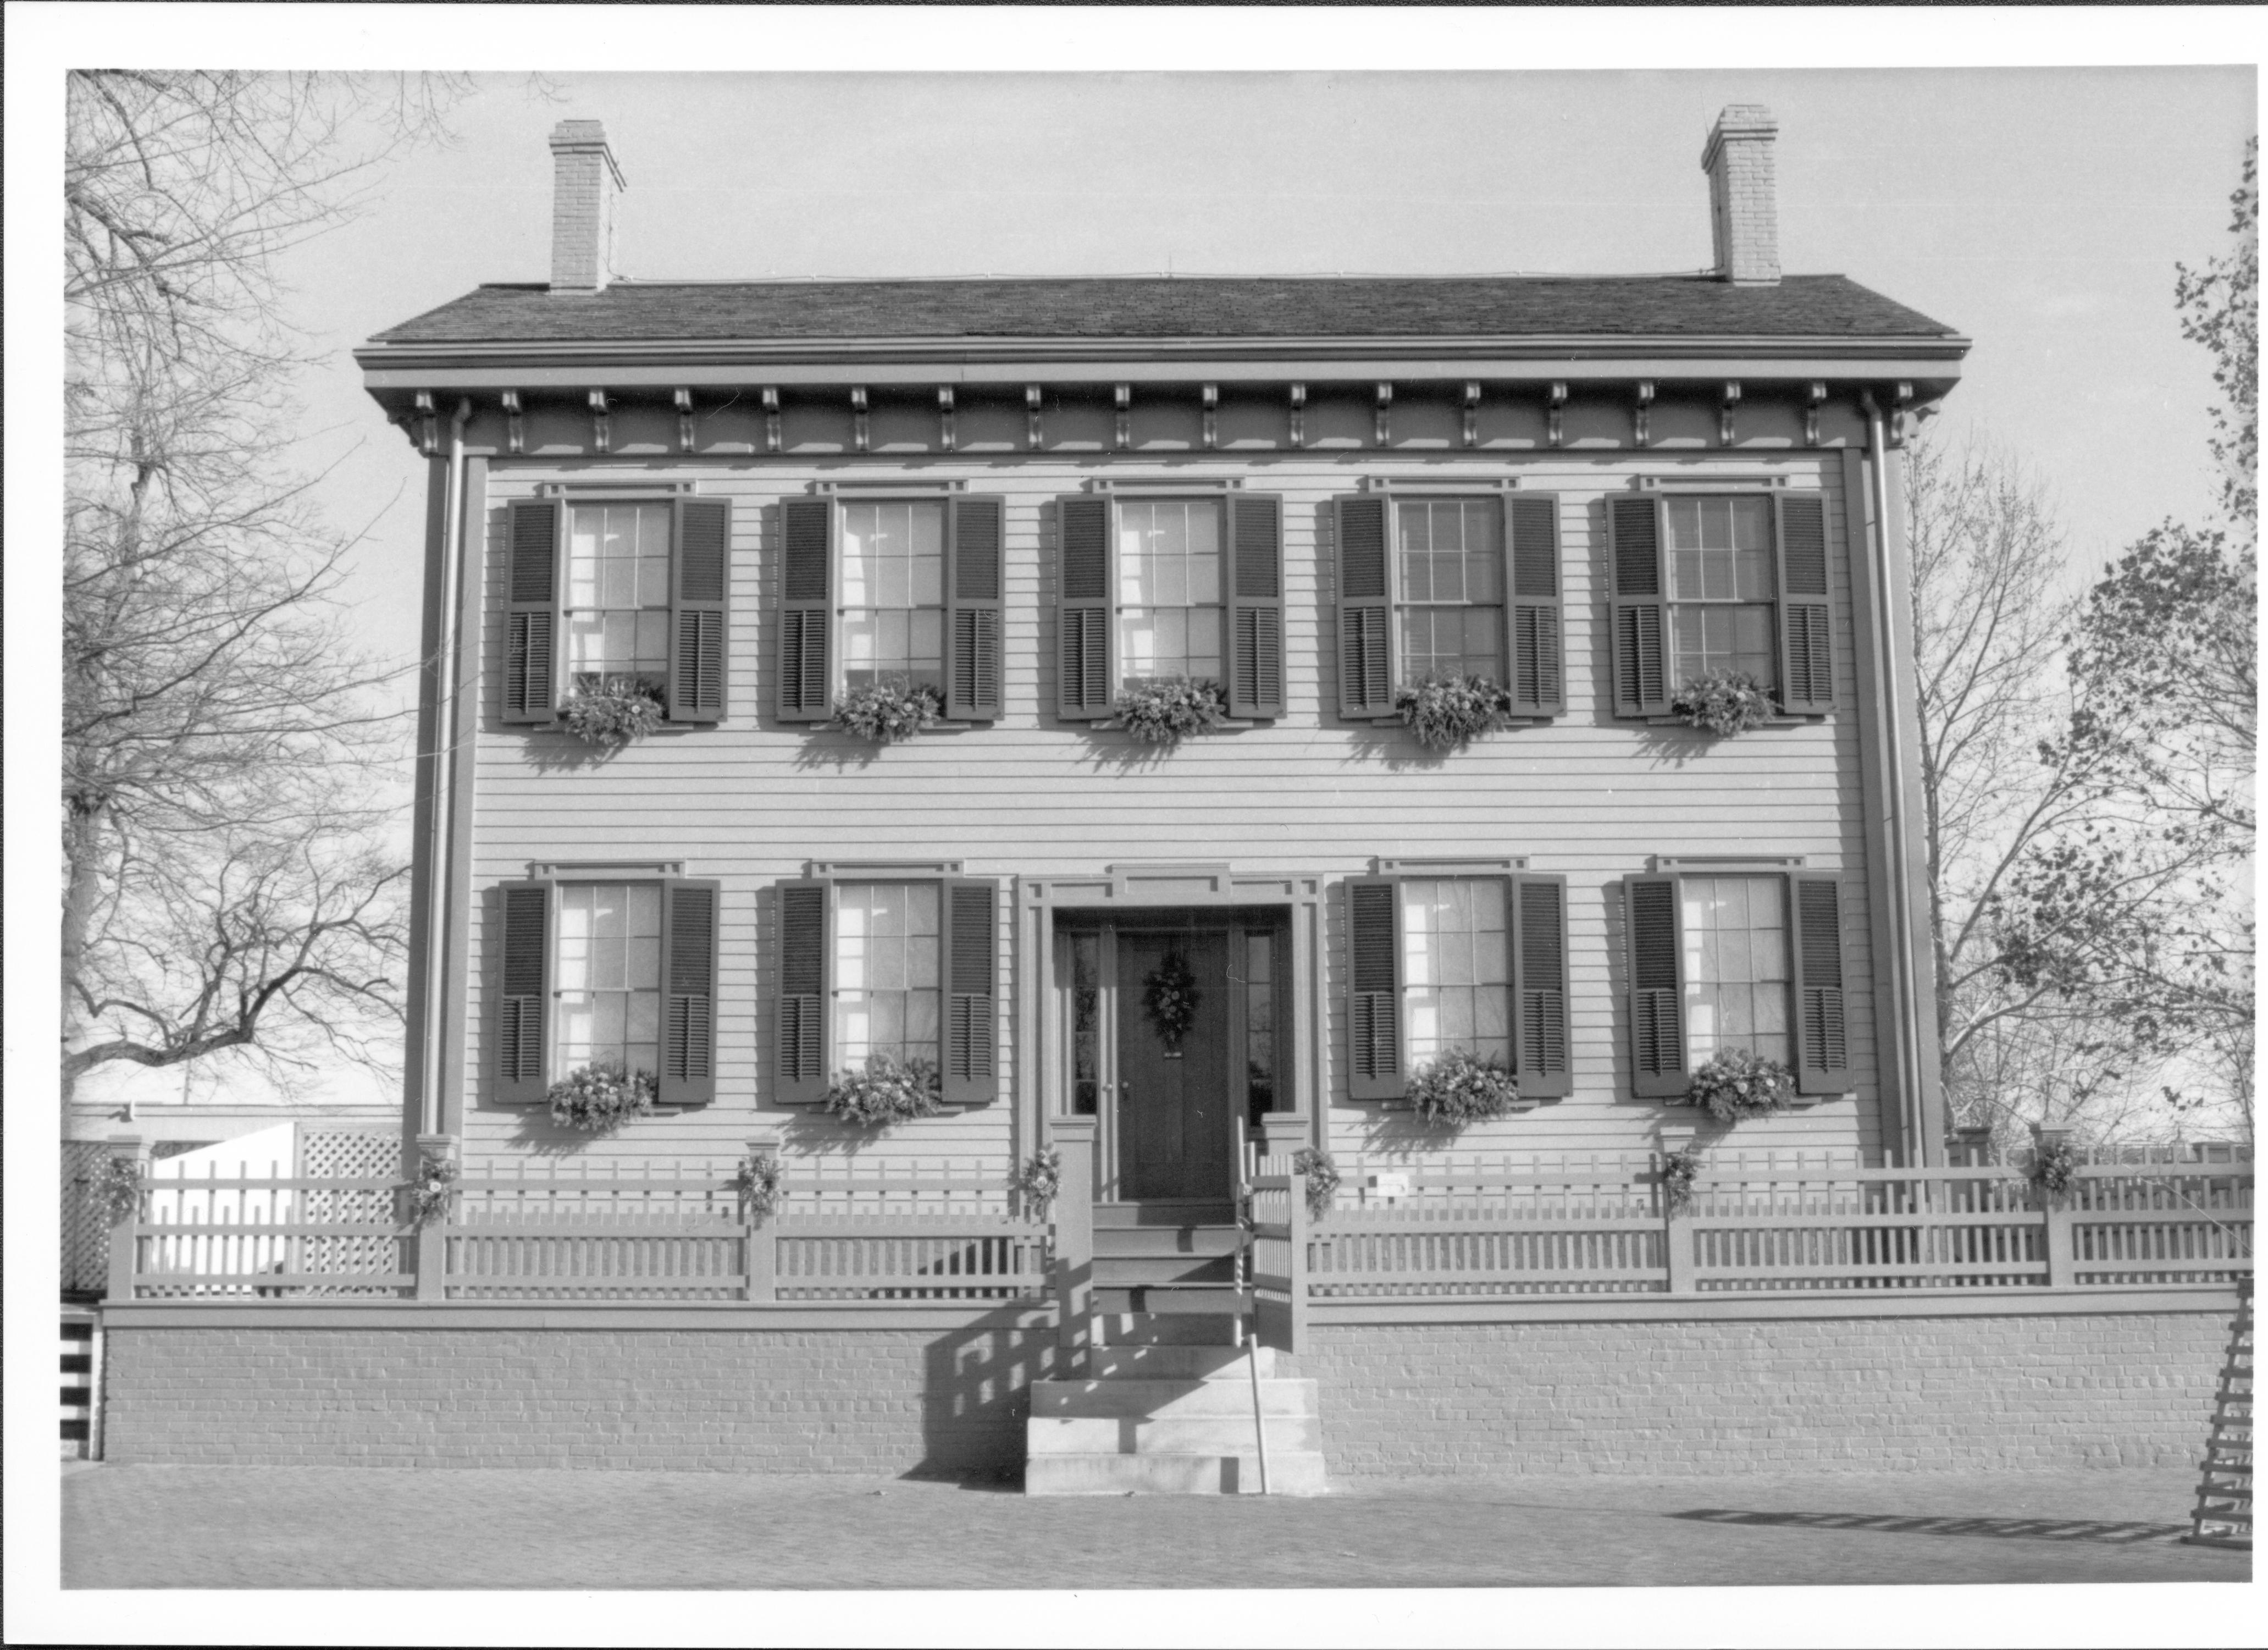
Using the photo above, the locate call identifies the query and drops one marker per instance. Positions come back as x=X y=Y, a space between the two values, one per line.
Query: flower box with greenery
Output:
x=887 y=1091
x=1322 y=1179
x=883 y=712
x=1736 y=1083
x=1460 y=1087
x=1170 y=709
x=612 y=712
x=1725 y=703
x=600 y=1097
x=1444 y=713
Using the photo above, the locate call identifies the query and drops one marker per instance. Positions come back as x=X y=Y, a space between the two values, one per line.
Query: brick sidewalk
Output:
x=279 y=1526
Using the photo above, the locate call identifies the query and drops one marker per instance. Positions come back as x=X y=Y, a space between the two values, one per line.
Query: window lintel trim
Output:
x=1162 y=486
x=879 y=870
x=1671 y=486
x=597 y=870
x=914 y=487
x=627 y=492
x=1448 y=867
x=1475 y=486
x=1716 y=865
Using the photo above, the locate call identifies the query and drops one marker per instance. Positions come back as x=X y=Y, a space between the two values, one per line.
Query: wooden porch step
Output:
x=1161 y=1211
x=1132 y=1240
x=1180 y=1300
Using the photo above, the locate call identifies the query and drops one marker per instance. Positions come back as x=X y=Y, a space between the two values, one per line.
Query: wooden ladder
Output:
x=2224 y=1508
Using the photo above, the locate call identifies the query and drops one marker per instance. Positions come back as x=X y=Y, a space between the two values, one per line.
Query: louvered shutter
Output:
x=973 y=614
x=972 y=973
x=799 y=1061
x=1640 y=630
x=1657 y=993
x=806 y=684
x=1083 y=683
x=533 y=585
x=523 y=993
x=1365 y=613
x=1539 y=986
x=689 y=992
x=1822 y=1043
x=1539 y=669
x=1256 y=604
x=701 y=550
x=1374 y=988
x=1806 y=617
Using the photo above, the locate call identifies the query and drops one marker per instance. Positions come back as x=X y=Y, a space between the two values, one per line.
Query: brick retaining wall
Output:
x=1706 y=1393
x=1868 y=1394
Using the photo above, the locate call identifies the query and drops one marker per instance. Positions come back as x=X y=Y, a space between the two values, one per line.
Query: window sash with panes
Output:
x=1169 y=589
x=1736 y=966
x=887 y=972
x=608 y=992
x=1721 y=587
x=893 y=603
x=617 y=593
x=1451 y=554
x=1456 y=980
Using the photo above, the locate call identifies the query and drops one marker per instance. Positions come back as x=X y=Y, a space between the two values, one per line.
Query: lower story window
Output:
x=1456 y=969
x=1736 y=966
x=608 y=987
x=886 y=971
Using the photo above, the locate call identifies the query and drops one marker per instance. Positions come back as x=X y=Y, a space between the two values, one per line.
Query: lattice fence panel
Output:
x=341 y=1154
x=87 y=1238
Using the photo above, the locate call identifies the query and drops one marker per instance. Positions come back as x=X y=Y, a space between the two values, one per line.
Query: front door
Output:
x=1175 y=1102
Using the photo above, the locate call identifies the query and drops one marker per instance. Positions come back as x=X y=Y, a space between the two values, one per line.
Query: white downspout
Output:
x=445 y=725
x=1909 y=1028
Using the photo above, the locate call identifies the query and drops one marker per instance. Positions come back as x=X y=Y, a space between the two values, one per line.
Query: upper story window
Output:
x=610 y=588
x=1476 y=964
x=1436 y=587
x=1704 y=583
x=621 y=968
x=890 y=589
x=1153 y=588
x=1724 y=959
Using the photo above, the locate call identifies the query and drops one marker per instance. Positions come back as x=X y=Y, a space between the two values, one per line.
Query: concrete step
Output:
x=1168 y=1329
x=1175 y=1362
x=1169 y=1400
x=1289 y=1472
x=1140 y=1435
x=1151 y=1272
x=1166 y=1241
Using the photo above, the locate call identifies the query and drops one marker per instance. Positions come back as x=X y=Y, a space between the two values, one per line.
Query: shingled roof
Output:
x=1805 y=305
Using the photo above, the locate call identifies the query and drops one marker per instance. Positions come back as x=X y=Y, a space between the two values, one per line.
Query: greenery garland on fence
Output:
x=1170 y=998
x=1040 y=1181
x=1724 y=701
x=430 y=1192
x=883 y=712
x=1322 y=1179
x=1443 y=712
x=1170 y=709
x=1737 y=1083
x=758 y=1180
x=617 y=711
x=1460 y=1087
x=600 y=1097
x=1679 y=1171
x=887 y=1091
x=2054 y=1168
x=118 y=1190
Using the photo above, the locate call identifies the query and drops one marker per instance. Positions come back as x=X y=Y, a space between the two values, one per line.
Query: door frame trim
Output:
x=1041 y=1074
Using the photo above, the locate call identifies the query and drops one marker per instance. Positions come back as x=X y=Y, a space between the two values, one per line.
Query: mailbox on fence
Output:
x=1386 y=1186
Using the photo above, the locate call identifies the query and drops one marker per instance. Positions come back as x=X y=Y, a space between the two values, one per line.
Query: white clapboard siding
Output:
x=751 y=800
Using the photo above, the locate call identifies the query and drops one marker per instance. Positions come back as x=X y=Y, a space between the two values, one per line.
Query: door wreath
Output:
x=1170 y=996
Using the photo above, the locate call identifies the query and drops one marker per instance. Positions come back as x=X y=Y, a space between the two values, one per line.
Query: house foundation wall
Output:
x=1694 y=1390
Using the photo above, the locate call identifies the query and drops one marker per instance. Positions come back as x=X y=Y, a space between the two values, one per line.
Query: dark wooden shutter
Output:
x=807 y=683
x=800 y=1062
x=972 y=971
x=1374 y=988
x=1657 y=993
x=1366 y=614
x=1538 y=655
x=1822 y=1042
x=689 y=992
x=523 y=993
x=531 y=632
x=1806 y=617
x=701 y=552
x=1083 y=608
x=1256 y=604
x=972 y=620
x=1640 y=627
x=1539 y=986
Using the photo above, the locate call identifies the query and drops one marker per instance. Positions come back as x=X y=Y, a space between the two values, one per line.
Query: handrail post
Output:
x=124 y=1246
x=760 y=1239
x=1295 y=1266
x=430 y=1249
x=1074 y=1235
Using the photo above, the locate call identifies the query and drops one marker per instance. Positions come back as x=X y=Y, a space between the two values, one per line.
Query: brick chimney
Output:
x=1744 y=203
x=584 y=181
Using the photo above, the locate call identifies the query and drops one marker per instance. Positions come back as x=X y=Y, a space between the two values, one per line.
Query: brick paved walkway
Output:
x=259 y=1527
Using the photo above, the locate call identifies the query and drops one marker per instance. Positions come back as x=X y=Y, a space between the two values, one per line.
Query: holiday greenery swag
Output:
x=118 y=1190
x=887 y=1090
x=1443 y=712
x=757 y=1180
x=1038 y=1180
x=614 y=712
x=1322 y=1179
x=1679 y=1171
x=430 y=1192
x=883 y=712
x=1167 y=711
x=2055 y=1166
x=601 y=1096
x=1170 y=997
x=1461 y=1087
x=1736 y=1083
x=1725 y=703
